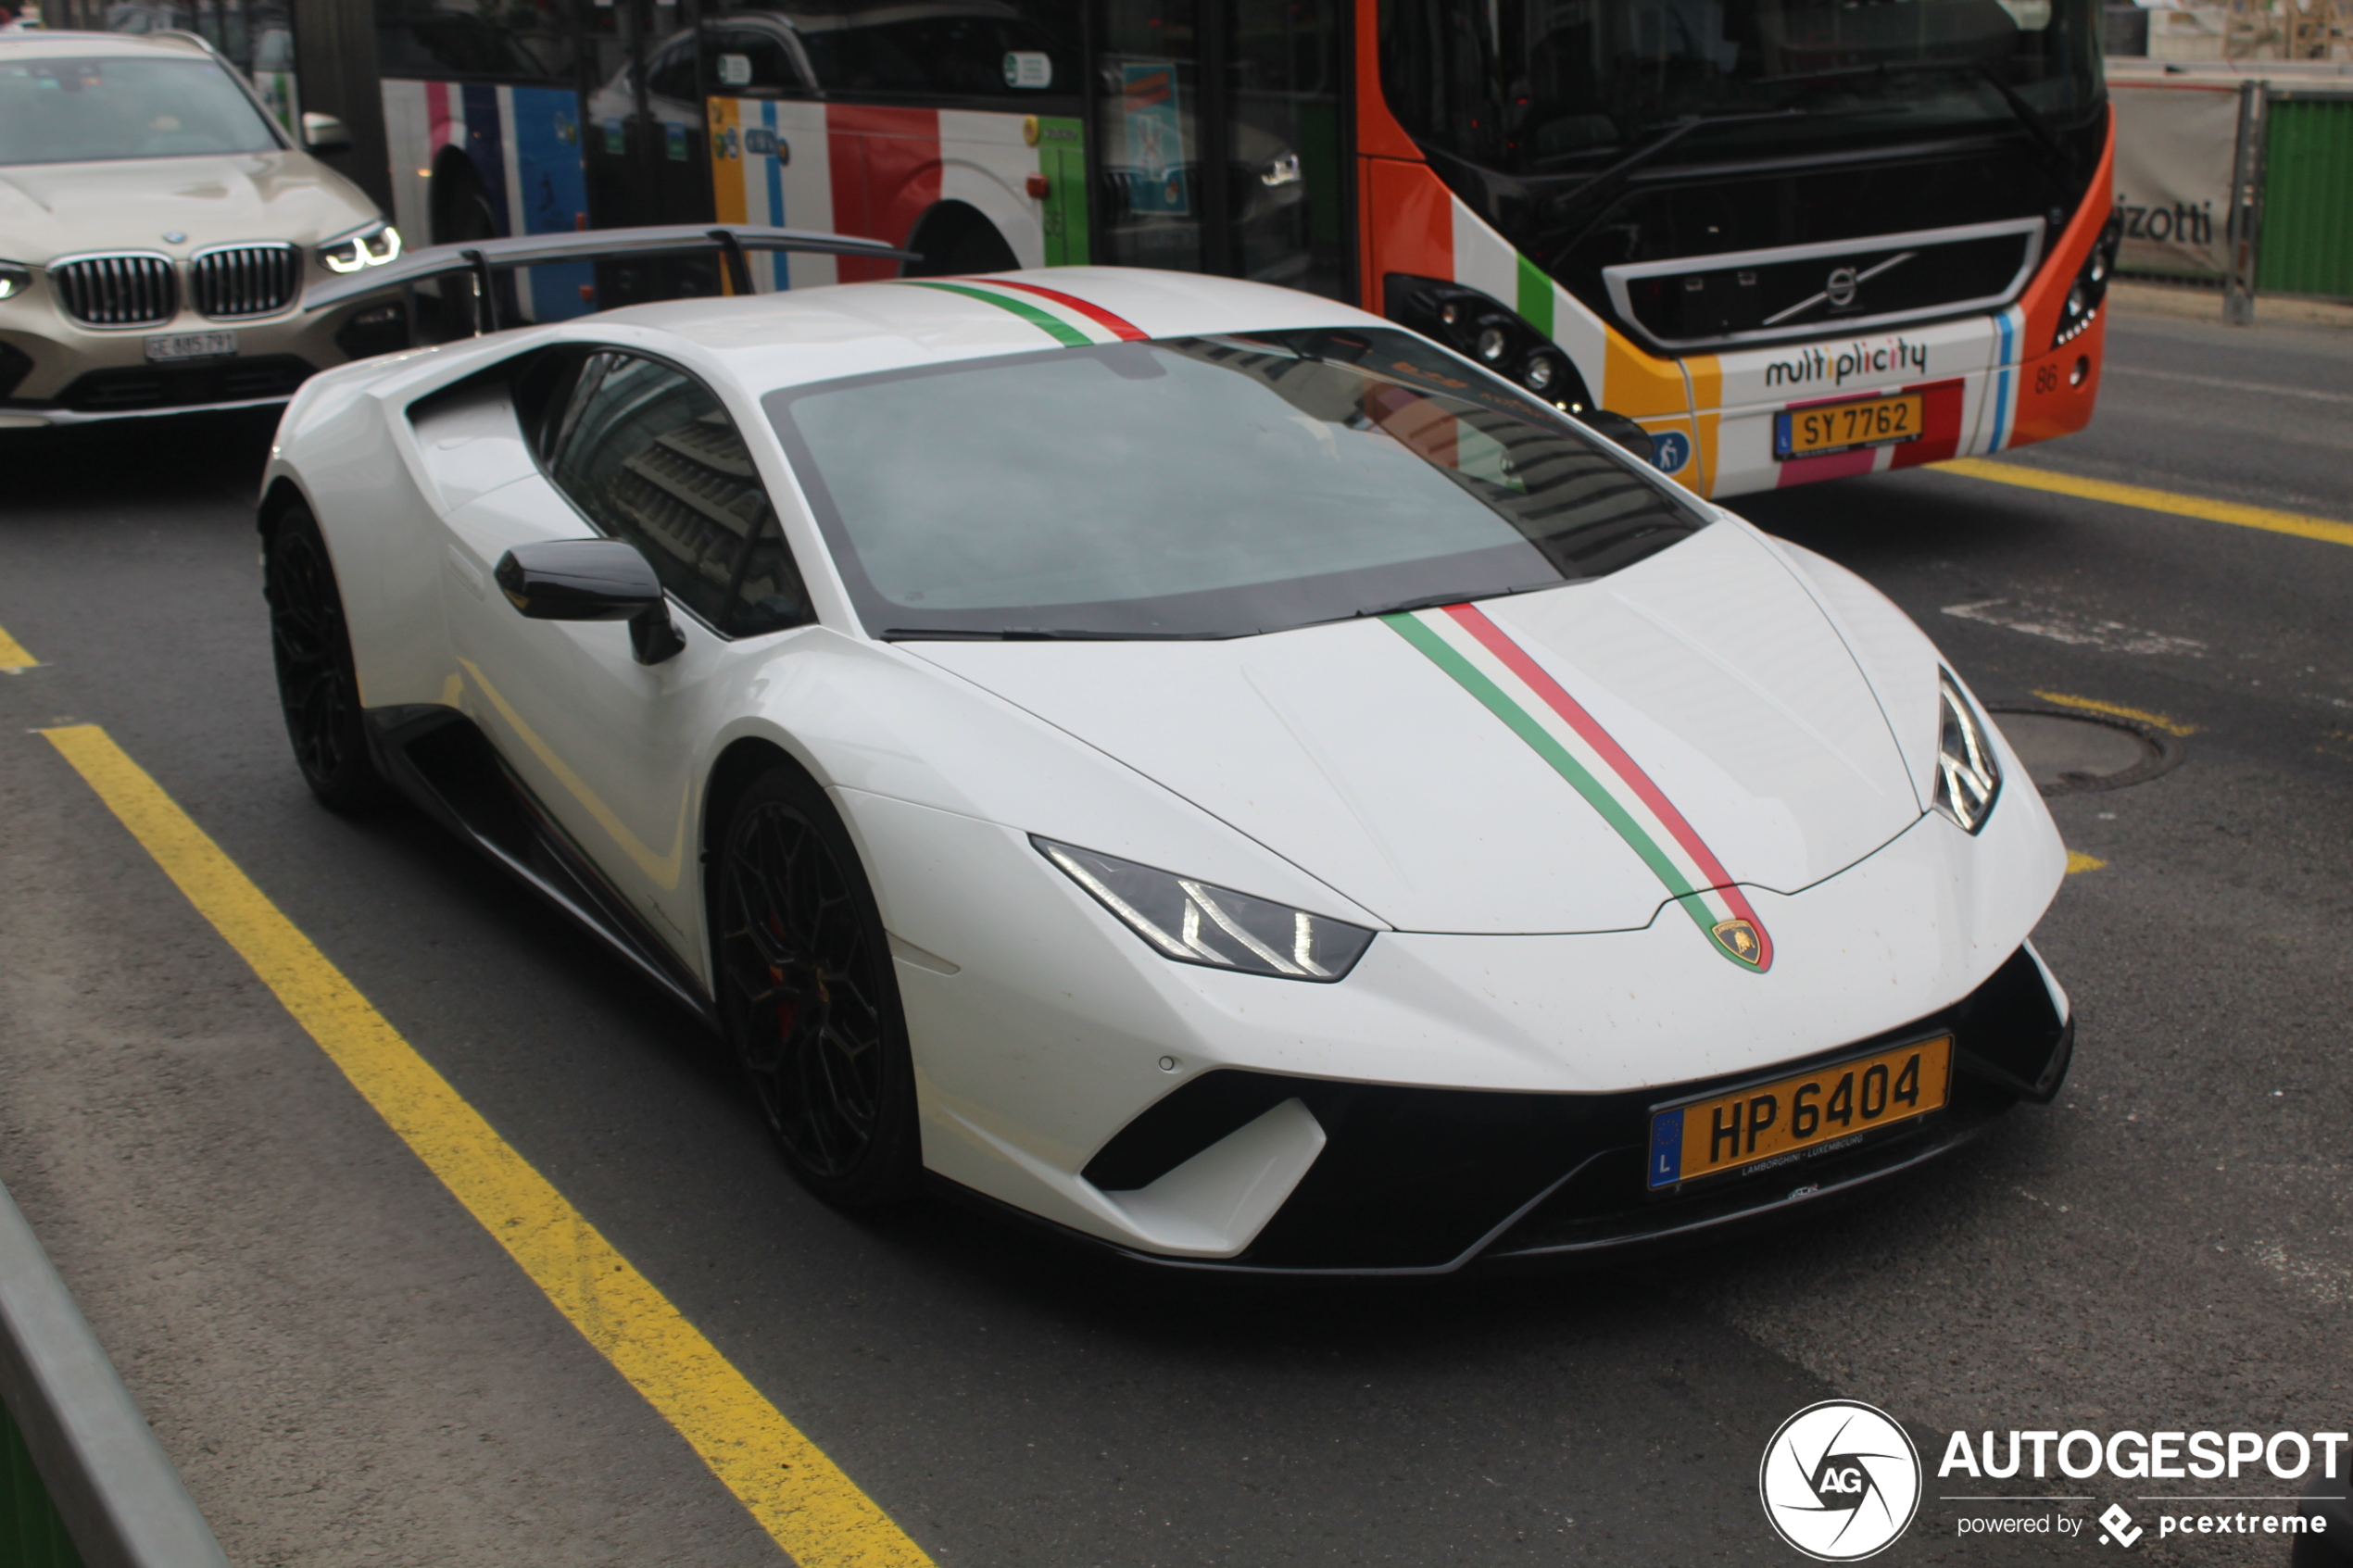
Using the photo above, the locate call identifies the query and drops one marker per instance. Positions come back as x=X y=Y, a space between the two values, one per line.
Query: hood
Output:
x=52 y=209
x=1717 y=717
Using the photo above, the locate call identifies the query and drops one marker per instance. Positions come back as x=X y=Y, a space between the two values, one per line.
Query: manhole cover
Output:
x=2065 y=752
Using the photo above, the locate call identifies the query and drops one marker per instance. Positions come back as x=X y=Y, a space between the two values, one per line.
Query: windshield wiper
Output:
x=1610 y=181
x=1432 y=601
x=2031 y=119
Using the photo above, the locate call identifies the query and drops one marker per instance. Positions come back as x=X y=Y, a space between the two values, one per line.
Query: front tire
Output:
x=317 y=685
x=809 y=997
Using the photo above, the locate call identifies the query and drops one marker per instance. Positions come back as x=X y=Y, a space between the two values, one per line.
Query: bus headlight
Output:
x=2085 y=296
x=371 y=246
x=1483 y=329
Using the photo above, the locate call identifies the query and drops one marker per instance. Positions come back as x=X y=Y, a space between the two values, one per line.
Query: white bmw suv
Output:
x=157 y=231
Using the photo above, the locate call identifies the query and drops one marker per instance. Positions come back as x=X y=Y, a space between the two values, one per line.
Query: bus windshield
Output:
x=1530 y=88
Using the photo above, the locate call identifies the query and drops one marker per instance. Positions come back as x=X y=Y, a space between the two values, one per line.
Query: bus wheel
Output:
x=953 y=239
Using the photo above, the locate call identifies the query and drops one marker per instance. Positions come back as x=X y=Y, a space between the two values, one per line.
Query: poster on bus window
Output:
x=2174 y=145
x=1148 y=105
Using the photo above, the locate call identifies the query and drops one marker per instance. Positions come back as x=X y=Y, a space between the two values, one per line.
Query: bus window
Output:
x=1150 y=131
x=1283 y=75
x=767 y=66
x=965 y=49
x=425 y=40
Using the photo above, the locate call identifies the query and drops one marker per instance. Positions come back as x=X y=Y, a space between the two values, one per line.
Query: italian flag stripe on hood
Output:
x=1485 y=662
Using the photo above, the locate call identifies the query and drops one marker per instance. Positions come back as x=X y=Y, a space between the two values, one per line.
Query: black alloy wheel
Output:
x=810 y=1000
x=317 y=688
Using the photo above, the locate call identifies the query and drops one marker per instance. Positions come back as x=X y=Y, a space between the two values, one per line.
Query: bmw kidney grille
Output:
x=130 y=289
x=241 y=281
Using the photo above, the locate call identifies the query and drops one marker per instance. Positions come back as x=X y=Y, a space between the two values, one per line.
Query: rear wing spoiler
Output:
x=734 y=242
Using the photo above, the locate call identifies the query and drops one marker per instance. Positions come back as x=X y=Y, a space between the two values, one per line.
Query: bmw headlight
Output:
x=13 y=280
x=1968 y=778
x=371 y=246
x=1193 y=922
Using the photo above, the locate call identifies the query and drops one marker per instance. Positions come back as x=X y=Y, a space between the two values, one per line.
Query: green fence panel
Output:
x=2308 y=199
x=32 y=1535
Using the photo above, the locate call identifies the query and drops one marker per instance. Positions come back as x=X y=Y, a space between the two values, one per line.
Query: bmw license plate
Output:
x=1843 y=427
x=191 y=346
x=1803 y=1114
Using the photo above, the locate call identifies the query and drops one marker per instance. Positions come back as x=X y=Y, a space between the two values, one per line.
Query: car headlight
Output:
x=1968 y=779
x=13 y=280
x=371 y=246
x=1193 y=922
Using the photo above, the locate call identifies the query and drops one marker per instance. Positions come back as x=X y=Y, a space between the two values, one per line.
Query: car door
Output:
x=638 y=450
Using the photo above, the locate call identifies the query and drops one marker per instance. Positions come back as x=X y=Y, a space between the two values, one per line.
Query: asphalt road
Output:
x=348 y=1370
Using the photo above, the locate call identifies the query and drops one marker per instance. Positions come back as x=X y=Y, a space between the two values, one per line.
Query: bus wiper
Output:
x=1610 y=181
x=2031 y=119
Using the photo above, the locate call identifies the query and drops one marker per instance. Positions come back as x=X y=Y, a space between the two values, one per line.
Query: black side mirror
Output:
x=1623 y=430
x=592 y=580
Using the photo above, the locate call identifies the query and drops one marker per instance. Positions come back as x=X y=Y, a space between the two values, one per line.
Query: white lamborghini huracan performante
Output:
x=1180 y=760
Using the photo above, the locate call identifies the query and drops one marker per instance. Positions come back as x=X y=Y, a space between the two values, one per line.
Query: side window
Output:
x=650 y=456
x=767 y=67
x=672 y=73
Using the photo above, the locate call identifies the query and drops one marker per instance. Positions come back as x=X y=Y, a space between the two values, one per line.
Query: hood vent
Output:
x=236 y=282
x=131 y=290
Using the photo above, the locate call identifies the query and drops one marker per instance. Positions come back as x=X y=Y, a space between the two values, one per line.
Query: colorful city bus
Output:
x=1792 y=239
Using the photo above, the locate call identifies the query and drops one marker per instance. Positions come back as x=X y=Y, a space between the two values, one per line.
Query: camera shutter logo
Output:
x=1839 y=1481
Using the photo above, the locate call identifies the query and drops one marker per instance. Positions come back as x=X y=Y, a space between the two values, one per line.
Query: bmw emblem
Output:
x=174 y=237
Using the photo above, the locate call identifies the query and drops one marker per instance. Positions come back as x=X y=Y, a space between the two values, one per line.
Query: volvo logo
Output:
x=1840 y=288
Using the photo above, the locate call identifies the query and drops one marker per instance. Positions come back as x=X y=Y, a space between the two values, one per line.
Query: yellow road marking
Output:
x=13 y=655
x=2079 y=862
x=2153 y=500
x=813 y=1510
x=2118 y=710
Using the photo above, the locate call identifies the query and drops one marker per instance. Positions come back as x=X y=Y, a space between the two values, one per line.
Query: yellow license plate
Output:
x=1839 y=427
x=1807 y=1112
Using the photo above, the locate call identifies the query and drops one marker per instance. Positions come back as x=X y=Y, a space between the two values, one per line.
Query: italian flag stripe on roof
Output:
x=1485 y=662
x=1071 y=322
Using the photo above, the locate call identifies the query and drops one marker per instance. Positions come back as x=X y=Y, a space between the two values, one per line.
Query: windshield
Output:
x=1209 y=487
x=97 y=110
x=1534 y=87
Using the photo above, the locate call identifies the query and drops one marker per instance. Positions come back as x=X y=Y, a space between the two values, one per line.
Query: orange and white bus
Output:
x=1793 y=238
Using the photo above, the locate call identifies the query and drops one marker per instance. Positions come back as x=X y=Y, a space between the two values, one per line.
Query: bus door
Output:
x=1220 y=140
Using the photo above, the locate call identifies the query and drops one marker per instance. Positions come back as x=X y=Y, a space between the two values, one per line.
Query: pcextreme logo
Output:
x=1839 y=1481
